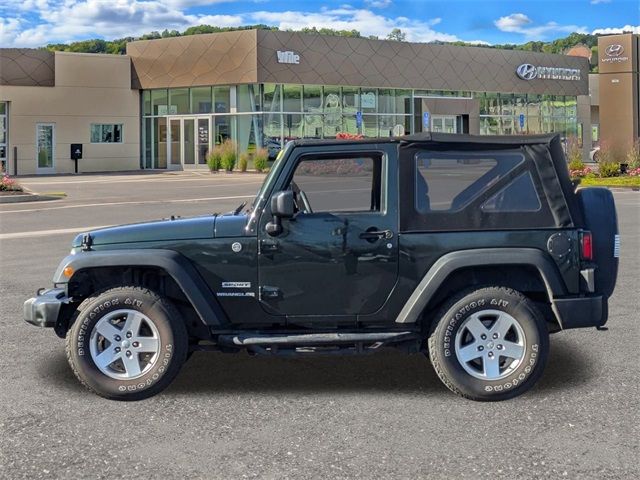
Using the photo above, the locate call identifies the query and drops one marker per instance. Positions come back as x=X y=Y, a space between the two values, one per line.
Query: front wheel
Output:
x=489 y=344
x=127 y=343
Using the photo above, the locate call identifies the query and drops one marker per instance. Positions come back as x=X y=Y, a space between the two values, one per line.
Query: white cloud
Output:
x=9 y=29
x=348 y=18
x=513 y=23
x=521 y=23
x=378 y=3
x=53 y=21
x=70 y=20
x=614 y=30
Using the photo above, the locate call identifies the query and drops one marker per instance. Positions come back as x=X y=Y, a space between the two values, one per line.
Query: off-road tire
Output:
x=172 y=333
x=451 y=317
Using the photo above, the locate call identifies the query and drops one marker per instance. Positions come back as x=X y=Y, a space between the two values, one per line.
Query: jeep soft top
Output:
x=472 y=249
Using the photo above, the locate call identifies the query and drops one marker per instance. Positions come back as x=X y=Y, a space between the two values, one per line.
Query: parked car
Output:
x=471 y=250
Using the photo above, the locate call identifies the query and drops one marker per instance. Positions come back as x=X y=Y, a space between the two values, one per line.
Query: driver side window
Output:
x=338 y=184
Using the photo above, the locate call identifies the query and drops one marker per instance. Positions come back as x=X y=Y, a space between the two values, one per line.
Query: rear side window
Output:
x=470 y=190
x=518 y=196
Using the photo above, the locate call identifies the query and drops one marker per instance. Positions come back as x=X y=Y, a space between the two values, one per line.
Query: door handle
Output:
x=371 y=235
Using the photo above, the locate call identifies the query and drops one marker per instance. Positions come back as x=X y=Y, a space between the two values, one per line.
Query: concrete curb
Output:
x=28 y=197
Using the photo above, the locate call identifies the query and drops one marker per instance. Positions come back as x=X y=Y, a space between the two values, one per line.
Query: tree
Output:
x=397 y=35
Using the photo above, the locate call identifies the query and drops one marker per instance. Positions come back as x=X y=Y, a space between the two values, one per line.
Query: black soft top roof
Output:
x=446 y=138
x=545 y=151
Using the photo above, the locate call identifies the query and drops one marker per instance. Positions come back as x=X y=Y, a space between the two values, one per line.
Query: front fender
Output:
x=177 y=266
x=449 y=263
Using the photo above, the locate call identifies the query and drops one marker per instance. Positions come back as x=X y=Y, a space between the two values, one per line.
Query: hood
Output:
x=175 y=228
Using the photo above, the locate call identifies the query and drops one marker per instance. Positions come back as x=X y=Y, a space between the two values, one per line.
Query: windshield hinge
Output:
x=87 y=241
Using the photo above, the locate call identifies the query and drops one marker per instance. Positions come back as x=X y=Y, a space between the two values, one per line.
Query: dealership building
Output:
x=168 y=102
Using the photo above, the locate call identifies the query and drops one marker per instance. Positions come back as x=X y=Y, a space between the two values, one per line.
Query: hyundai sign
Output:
x=527 y=71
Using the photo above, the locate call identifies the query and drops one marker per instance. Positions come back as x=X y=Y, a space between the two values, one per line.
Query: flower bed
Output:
x=8 y=185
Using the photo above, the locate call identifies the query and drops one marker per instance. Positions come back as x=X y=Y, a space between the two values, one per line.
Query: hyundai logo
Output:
x=614 y=50
x=526 y=71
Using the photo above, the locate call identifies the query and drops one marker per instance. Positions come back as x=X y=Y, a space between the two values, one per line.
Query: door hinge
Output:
x=267 y=292
x=269 y=246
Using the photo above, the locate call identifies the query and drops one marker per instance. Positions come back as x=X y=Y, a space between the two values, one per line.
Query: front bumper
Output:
x=582 y=312
x=43 y=310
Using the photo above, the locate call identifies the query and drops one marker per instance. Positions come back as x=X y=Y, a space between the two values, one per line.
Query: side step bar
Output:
x=319 y=343
x=313 y=338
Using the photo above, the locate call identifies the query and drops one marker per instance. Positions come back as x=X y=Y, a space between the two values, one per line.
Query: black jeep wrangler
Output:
x=472 y=249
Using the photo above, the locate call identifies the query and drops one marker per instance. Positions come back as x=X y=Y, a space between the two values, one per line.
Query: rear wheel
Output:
x=127 y=343
x=490 y=344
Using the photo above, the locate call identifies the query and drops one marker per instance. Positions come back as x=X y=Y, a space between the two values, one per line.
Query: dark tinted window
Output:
x=447 y=182
x=340 y=184
x=518 y=196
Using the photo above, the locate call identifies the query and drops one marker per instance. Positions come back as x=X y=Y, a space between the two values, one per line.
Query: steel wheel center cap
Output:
x=126 y=344
x=490 y=345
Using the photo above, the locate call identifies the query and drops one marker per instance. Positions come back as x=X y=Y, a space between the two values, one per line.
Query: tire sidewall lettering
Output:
x=82 y=338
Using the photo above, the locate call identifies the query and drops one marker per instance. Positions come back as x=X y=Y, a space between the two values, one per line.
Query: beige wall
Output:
x=88 y=89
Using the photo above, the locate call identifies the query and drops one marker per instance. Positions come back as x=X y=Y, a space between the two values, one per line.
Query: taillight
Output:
x=586 y=246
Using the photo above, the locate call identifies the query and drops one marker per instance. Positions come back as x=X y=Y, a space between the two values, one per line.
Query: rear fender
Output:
x=449 y=263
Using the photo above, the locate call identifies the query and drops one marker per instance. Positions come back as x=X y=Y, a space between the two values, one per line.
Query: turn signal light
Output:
x=67 y=272
x=586 y=246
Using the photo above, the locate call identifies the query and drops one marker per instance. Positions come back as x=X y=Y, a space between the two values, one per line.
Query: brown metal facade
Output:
x=211 y=59
x=26 y=67
x=252 y=57
x=363 y=62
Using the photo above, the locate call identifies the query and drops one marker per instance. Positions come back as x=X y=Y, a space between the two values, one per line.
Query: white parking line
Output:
x=44 y=233
x=141 y=202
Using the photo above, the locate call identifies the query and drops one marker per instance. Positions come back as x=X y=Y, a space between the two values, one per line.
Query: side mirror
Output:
x=281 y=207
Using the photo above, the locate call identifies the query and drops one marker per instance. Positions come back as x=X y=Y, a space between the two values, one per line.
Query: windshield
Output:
x=270 y=177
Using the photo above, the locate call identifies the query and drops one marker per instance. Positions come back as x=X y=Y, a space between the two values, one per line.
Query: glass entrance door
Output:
x=189 y=143
x=45 y=147
x=444 y=124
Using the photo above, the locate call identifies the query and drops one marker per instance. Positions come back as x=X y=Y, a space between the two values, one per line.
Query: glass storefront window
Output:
x=332 y=111
x=349 y=123
x=248 y=98
x=160 y=142
x=201 y=100
x=369 y=99
x=292 y=98
x=148 y=155
x=178 y=100
x=507 y=104
x=313 y=126
x=272 y=96
x=249 y=132
x=350 y=100
x=292 y=126
x=386 y=101
x=222 y=99
x=370 y=125
x=403 y=101
x=312 y=98
x=146 y=102
x=273 y=131
x=159 y=102
x=534 y=105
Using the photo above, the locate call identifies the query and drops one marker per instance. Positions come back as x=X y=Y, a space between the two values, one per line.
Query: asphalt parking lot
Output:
x=235 y=416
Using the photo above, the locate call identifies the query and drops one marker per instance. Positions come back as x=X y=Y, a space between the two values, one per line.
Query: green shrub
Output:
x=574 y=154
x=228 y=158
x=609 y=169
x=260 y=159
x=243 y=162
x=633 y=156
x=214 y=159
x=576 y=165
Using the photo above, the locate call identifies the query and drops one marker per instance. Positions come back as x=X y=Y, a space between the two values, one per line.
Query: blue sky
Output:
x=32 y=23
